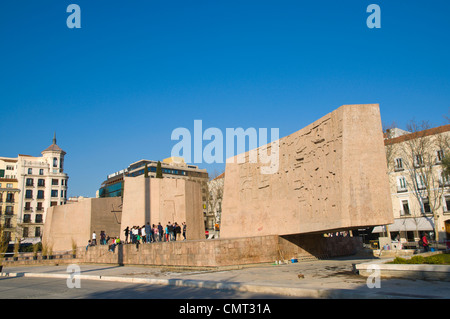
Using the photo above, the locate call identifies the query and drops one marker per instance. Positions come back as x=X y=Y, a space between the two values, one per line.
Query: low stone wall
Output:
x=29 y=259
x=224 y=252
x=410 y=271
x=204 y=253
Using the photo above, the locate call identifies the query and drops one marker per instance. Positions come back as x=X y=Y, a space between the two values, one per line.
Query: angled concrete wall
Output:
x=78 y=221
x=332 y=175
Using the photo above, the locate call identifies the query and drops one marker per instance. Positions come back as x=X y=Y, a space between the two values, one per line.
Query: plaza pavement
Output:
x=327 y=279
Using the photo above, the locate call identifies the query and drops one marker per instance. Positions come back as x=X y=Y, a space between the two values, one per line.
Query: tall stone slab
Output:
x=75 y=223
x=156 y=200
x=331 y=175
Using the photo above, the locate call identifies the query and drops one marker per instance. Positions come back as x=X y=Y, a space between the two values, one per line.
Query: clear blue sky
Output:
x=115 y=89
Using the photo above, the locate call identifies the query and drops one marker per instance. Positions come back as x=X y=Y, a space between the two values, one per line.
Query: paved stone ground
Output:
x=311 y=279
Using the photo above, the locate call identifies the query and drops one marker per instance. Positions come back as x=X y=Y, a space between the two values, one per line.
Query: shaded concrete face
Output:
x=76 y=222
x=163 y=200
x=332 y=175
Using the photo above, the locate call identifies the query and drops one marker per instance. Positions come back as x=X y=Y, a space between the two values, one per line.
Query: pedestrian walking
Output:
x=425 y=243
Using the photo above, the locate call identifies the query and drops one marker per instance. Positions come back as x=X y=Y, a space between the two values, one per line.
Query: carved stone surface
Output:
x=332 y=175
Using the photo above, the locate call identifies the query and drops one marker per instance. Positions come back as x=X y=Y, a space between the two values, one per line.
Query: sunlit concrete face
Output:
x=331 y=175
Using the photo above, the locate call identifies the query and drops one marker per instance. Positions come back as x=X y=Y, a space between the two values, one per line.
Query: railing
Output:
x=28 y=256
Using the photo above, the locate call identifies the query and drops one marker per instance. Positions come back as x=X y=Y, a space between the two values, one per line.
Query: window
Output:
x=9 y=185
x=54 y=182
x=29 y=182
x=54 y=193
x=41 y=182
x=61 y=163
x=27 y=206
x=2 y=173
x=40 y=194
x=39 y=206
x=10 y=198
x=402 y=184
x=41 y=171
x=30 y=171
x=9 y=167
x=38 y=218
x=9 y=210
x=418 y=160
x=421 y=182
x=439 y=156
x=405 y=206
x=426 y=205
x=25 y=232
x=447 y=203
x=37 y=232
x=398 y=164
x=55 y=162
x=26 y=218
x=53 y=203
x=444 y=180
x=28 y=193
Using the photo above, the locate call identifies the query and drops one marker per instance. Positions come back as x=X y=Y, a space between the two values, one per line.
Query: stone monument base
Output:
x=226 y=252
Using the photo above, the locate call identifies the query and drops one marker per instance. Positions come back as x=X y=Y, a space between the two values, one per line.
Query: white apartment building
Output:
x=42 y=183
x=420 y=191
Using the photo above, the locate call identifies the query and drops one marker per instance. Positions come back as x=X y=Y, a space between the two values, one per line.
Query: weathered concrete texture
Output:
x=224 y=252
x=332 y=175
x=163 y=200
x=78 y=221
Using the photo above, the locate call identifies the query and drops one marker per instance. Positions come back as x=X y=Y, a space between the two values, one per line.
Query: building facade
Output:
x=9 y=197
x=172 y=167
x=40 y=182
x=420 y=191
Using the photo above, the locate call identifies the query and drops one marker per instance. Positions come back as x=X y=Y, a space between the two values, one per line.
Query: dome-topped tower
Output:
x=55 y=155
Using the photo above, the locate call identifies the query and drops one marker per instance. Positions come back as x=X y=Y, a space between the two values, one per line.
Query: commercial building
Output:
x=33 y=184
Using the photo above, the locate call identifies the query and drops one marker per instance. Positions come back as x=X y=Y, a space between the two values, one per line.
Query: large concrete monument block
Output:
x=156 y=200
x=331 y=175
x=76 y=222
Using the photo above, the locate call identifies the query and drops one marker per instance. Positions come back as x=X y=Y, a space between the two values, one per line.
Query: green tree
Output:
x=146 y=171
x=159 y=173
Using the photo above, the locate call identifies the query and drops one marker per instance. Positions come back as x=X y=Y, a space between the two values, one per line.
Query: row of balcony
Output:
x=8 y=200
x=27 y=219
x=42 y=185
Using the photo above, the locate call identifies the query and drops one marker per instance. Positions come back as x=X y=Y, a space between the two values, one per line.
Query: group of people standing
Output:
x=155 y=233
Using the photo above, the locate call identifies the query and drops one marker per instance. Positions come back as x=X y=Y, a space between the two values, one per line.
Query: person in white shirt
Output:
x=143 y=234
